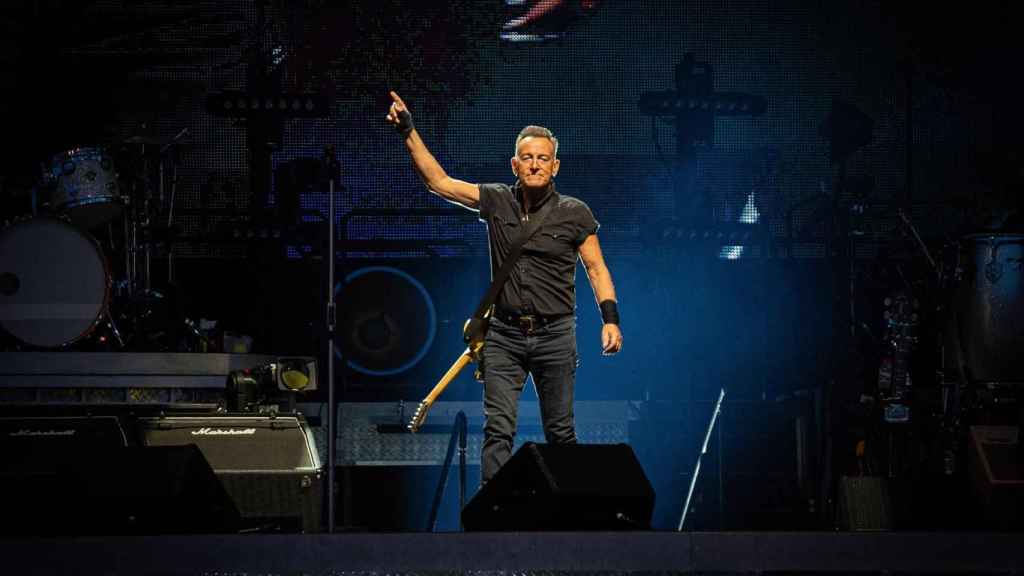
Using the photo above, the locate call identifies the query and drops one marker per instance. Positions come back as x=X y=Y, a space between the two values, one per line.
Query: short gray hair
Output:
x=536 y=132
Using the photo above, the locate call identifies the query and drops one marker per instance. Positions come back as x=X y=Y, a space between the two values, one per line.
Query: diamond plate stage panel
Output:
x=374 y=433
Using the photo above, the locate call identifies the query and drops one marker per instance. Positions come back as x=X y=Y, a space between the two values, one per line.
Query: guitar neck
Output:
x=424 y=407
x=450 y=375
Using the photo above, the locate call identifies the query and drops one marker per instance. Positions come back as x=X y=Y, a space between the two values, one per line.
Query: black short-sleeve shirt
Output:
x=543 y=281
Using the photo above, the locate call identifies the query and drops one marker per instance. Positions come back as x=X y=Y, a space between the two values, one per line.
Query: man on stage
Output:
x=533 y=326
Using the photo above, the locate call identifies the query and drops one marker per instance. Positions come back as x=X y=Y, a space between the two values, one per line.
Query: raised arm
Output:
x=430 y=171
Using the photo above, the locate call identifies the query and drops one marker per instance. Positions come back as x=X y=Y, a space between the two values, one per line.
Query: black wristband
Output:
x=609 y=312
x=404 y=125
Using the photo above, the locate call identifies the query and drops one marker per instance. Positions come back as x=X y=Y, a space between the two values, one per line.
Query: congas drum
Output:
x=84 y=187
x=54 y=282
x=989 y=304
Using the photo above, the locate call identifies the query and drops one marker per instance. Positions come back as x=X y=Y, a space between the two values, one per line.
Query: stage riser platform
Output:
x=123 y=370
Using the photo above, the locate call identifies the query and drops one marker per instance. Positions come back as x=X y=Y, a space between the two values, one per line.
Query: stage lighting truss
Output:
x=245 y=104
x=670 y=103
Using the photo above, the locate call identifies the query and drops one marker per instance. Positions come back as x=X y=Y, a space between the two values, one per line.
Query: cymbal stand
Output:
x=951 y=386
x=137 y=250
x=918 y=241
x=136 y=217
x=129 y=249
x=144 y=224
x=171 y=197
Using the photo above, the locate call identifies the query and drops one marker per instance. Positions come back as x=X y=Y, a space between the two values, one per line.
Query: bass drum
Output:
x=989 y=304
x=54 y=283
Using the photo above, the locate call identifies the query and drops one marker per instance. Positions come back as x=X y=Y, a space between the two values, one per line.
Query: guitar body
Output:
x=475 y=331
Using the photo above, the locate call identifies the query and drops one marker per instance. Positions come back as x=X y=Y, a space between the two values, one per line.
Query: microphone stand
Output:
x=703 y=450
x=333 y=170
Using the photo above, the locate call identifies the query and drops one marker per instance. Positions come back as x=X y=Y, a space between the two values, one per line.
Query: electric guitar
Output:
x=474 y=333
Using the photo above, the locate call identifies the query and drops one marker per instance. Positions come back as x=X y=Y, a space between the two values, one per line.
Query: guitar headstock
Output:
x=419 y=417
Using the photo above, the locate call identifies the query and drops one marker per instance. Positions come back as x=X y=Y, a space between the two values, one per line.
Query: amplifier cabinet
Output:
x=269 y=465
x=38 y=445
x=997 y=475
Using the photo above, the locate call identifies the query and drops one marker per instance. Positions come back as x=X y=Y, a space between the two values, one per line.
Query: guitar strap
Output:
x=477 y=326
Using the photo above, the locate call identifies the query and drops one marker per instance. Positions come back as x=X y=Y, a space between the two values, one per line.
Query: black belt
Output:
x=527 y=323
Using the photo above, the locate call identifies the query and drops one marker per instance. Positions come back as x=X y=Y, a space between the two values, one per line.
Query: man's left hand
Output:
x=611 y=339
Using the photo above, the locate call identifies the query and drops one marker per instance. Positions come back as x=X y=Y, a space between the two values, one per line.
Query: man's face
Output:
x=535 y=163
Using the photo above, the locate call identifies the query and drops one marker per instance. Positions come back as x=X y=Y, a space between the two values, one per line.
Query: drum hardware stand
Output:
x=114 y=330
x=173 y=192
x=136 y=204
x=950 y=390
x=917 y=238
x=145 y=224
x=703 y=450
x=142 y=213
x=129 y=249
x=143 y=208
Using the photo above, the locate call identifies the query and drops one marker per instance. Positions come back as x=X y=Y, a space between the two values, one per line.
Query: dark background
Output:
x=868 y=107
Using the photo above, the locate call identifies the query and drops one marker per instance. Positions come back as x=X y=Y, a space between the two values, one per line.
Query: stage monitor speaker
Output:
x=117 y=491
x=268 y=464
x=564 y=487
x=997 y=475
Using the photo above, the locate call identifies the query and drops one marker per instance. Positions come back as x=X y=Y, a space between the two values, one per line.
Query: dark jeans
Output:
x=549 y=355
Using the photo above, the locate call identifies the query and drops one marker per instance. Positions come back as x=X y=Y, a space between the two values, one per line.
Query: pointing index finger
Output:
x=397 y=99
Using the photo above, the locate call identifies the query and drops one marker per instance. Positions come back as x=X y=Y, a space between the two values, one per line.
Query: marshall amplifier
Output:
x=268 y=464
x=39 y=445
x=76 y=476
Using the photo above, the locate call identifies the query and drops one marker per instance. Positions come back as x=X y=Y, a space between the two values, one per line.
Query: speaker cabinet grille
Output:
x=38 y=445
x=268 y=464
x=864 y=504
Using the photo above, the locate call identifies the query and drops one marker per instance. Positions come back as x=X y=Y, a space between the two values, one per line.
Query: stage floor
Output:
x=520 y=553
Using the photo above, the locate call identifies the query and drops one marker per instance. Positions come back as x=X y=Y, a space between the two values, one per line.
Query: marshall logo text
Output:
x=224 y=432
x=43 y=433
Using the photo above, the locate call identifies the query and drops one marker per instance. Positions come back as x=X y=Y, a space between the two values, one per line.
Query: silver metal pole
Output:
x=462 y=465
x=170 y=221
x=703 y=450
x=332 y=437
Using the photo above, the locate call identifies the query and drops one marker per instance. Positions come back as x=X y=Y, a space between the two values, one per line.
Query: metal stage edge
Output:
x=517 y=553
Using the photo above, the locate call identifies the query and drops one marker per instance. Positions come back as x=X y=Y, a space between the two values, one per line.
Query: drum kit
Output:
x=983 y=334
x=988 y=283
x=976 y=293
x=75 y=272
